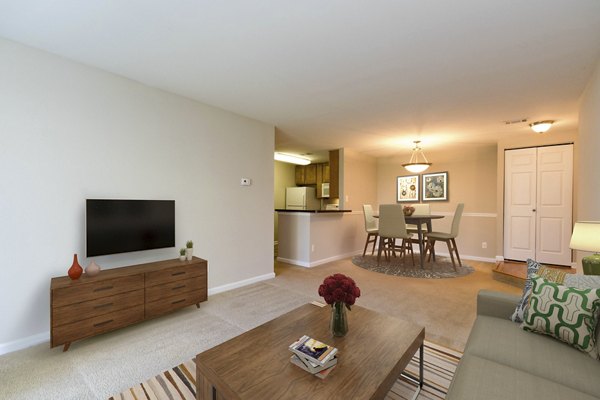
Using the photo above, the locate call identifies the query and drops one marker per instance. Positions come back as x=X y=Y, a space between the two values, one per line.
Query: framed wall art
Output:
x=407 y=188
x=435 y=186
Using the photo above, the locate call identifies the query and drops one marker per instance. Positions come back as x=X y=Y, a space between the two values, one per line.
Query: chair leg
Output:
x=366 y=244
x=374 y=243
x=430 y=247
x=402 y=249
x=379 y=251
x=451 y=253
x=456 y=251
x=412 y=253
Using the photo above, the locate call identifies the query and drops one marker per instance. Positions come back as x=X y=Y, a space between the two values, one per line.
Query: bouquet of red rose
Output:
x=339 y=288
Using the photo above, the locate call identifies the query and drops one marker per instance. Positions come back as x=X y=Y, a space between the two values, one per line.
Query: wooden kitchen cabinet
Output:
x=310 y=174
x=325 y=172
x=322 y=177
x=300 y=170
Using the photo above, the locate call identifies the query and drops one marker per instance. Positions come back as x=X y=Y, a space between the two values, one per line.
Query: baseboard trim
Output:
x=294 y=262
x=238 y=284
x=468 y=257
x=21 y=344
x=316 y=263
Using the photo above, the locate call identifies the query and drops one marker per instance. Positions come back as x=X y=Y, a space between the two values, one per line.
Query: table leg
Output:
x=420 y=236
x=420 y=381
x=204 y=390
x=432 y=248
x=421 y=357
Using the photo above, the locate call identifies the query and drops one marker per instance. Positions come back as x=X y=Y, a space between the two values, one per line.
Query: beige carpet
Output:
x=100 y=367
x=179 y=383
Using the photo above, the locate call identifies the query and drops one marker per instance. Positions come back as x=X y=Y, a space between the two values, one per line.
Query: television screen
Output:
x=120 y=226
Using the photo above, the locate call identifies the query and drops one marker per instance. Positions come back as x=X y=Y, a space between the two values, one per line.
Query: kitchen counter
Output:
x=312 y=211
x=313 y=237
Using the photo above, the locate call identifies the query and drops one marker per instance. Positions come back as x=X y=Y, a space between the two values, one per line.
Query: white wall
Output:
x=360 y=180
x=70 y=132
x=586 y=155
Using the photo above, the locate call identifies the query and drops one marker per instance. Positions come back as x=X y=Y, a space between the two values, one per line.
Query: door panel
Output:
x=555 y=205
x=519 y=203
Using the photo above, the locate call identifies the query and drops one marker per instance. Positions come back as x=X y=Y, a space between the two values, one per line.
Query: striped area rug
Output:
x=180 y=382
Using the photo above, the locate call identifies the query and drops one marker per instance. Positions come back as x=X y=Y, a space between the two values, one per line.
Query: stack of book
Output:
x=313 y=356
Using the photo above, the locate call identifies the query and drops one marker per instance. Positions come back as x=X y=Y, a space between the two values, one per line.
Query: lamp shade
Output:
x=586 y=236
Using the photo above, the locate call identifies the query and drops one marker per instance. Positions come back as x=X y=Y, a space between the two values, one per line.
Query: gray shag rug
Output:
x=441 y=268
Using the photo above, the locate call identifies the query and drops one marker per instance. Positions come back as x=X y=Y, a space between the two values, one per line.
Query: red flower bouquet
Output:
x=339 y=288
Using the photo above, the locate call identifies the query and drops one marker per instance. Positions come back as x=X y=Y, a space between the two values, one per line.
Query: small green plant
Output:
x=182 y=252
x=189 y=244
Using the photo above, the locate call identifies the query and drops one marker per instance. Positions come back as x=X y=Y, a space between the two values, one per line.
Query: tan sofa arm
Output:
x=496 y=304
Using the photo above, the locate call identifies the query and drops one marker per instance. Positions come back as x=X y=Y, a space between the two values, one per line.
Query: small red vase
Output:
x=75 y=271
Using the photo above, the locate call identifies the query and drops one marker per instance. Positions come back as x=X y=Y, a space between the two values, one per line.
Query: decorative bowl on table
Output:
x=408 y=210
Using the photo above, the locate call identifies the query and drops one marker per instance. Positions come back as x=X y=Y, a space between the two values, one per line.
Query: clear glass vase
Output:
x=339 y=319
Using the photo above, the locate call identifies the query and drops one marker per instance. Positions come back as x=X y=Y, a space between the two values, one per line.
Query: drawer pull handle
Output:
x=178 y=287
x=102 y=323
x=178 y=273
x=103 y=288
x=104 y=305
x=178 y=301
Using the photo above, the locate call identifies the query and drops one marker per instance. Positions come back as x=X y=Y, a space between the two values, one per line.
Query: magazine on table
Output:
x=313 y=350
x=311 y=367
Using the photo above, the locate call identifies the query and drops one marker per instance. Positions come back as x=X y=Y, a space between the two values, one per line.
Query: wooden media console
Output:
x=123 y=296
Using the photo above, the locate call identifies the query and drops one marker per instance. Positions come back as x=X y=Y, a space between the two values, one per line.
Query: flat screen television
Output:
x=121 y=226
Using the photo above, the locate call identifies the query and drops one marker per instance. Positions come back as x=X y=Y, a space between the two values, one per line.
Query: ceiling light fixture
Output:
x=414 y=165
x=541 y=126
x=288 y=158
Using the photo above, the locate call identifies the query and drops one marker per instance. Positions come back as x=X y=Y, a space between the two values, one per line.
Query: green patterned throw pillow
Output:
x=565 y=313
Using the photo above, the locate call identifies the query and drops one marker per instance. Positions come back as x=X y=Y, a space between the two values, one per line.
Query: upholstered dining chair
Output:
x=370 y=227
x=392 y=226
x=420 y=209
x=449 y=238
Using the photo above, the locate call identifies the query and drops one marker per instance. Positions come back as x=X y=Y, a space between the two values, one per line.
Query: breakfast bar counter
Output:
x=280 y=210
x=313 y=237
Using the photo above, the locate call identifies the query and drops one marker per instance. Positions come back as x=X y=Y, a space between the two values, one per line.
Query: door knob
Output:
x=533 y=210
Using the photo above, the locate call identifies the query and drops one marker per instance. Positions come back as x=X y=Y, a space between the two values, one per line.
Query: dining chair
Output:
x=449 y=238
x=370 y=227
x=420 y=209
x=392 y=226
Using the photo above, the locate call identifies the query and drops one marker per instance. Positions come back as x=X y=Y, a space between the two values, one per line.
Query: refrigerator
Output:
x=301 y=198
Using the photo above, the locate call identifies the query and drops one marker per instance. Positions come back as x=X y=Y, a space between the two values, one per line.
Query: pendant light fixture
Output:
x=415 y=164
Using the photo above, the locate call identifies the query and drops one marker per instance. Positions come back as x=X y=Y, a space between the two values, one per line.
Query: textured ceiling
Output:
x=366 y=75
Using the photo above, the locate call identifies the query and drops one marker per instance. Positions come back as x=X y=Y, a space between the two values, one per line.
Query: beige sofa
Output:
x=502 y=361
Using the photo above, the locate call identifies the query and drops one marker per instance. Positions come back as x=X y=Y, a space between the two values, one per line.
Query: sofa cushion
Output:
x=565 y=313
x=478 y=379
x=532 y=269
x=502 y=341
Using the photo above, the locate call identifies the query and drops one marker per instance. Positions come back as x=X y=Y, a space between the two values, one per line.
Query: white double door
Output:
x=538 y=204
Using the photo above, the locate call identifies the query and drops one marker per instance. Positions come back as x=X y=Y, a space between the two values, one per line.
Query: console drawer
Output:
x=163 y=306
x=158 y=292
x=174 y=274
x=94 y=326
x=85 y=291
x=94 y=308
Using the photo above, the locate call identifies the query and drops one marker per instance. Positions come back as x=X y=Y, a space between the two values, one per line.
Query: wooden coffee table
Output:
x=256 y=364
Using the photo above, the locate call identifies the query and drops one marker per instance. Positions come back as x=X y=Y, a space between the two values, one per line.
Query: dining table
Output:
x=419 y=220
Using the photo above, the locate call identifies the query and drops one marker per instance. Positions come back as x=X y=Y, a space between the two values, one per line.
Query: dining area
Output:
x=393 y=229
